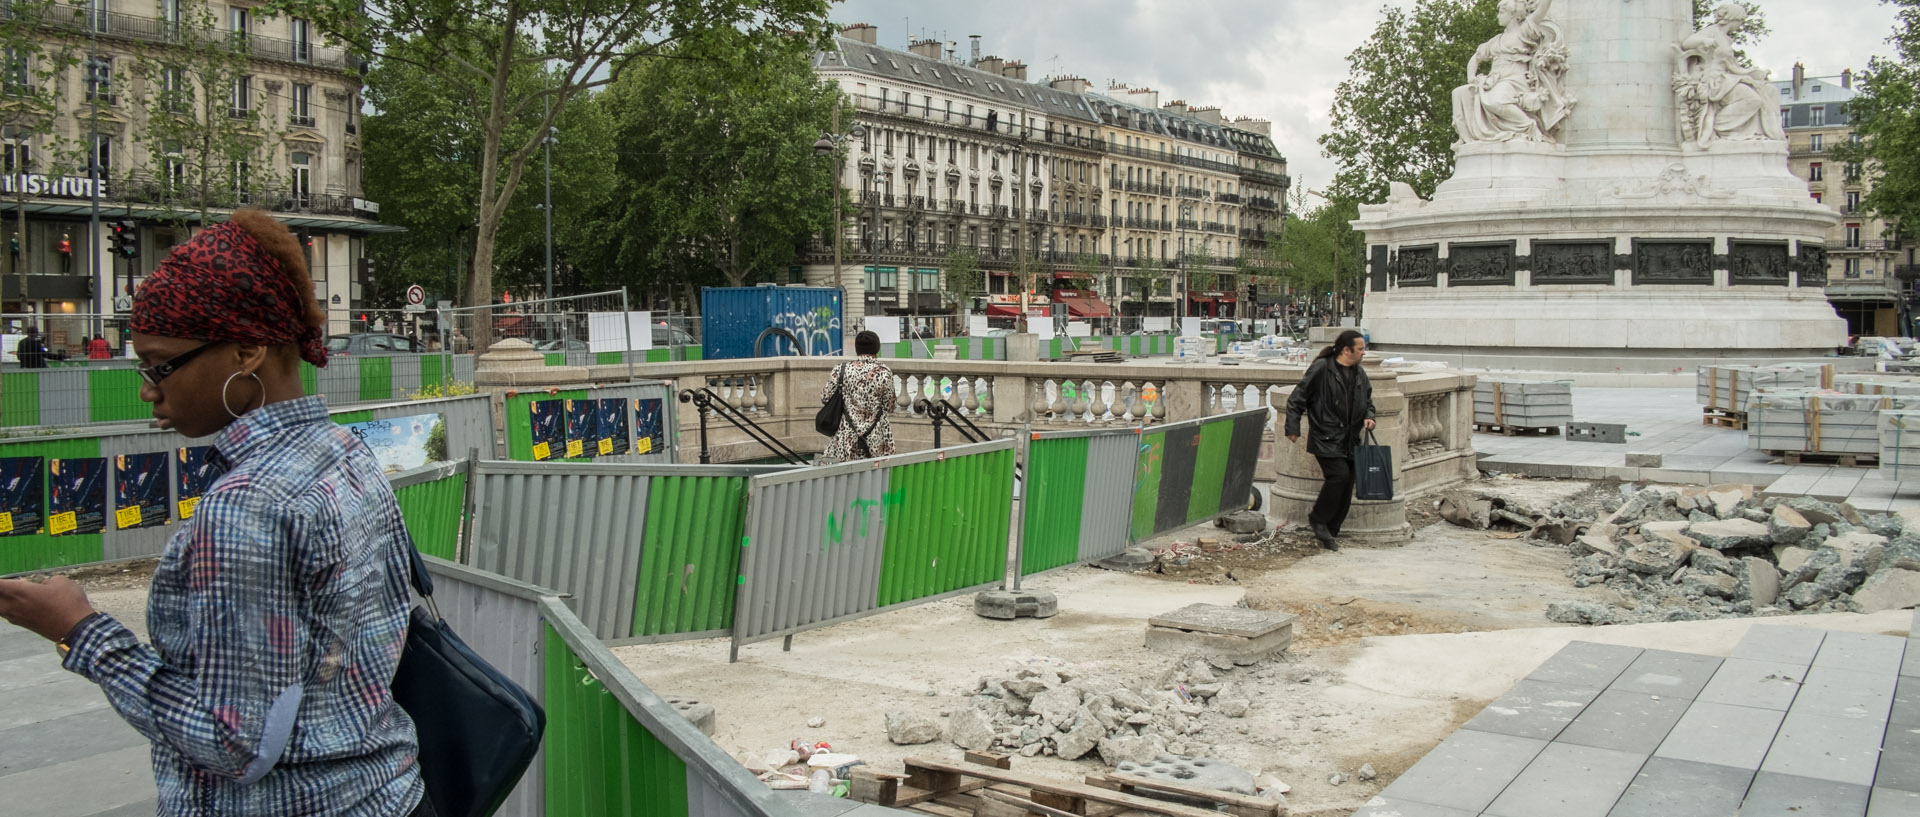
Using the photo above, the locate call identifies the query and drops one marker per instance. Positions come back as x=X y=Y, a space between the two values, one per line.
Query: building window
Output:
x=242 y=102
x=1853 y=235
x=1816 y=142
x=1816 y=197
x=17 y=82
x=1786 y=118
x=881 y=278
x=174 y=165
x=302 y=40
x=239 y=20
x=176 y=91
x=97 y=15
x=100 y=80
x=1815 y=172
x=302 y=179
x=16 y=151
x=301 y=106
x=1853 y=200
x=1853 y=171
x=1818 y=115
x=1851 y=268
x=242 y=181
x=103 y=154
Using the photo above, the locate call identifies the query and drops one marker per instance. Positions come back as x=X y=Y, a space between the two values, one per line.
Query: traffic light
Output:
x=126 y=238
x=1253 y=292
x=366 y=272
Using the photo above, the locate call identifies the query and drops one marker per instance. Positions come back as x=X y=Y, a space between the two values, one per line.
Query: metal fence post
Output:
x=464 y=551
x=1020 y=508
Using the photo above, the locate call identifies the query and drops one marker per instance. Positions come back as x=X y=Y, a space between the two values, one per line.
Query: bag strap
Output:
x=422 y=582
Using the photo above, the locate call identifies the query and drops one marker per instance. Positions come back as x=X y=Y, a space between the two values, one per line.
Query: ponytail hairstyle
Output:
x=1340 y=344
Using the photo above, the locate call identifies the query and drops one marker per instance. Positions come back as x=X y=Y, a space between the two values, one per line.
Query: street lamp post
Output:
x=1186 y=274
x=547 y=208
x=830 y=144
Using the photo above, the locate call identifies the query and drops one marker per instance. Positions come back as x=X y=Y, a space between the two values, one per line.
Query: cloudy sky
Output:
x=1276 y=59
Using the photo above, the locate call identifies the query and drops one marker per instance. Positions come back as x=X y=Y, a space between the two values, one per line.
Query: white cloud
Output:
x=1277 y=60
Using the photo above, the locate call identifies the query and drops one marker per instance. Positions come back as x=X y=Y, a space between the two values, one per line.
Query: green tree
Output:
x=436 y=447
x=1393 y=115
x=718 y=176
x=32 y=94
x=581 y=45
x=964 y=277
x=1886 y=117
x=1197 y=265
x=1321 y=254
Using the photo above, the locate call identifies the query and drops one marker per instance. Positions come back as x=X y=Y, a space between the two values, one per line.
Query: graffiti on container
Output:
x=817 y=329
x=858 y=512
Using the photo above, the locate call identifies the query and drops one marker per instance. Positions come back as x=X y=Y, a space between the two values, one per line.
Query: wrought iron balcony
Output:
x=1190 y=192
x=1229 y=198
x=116 y=25
x=1263 y=203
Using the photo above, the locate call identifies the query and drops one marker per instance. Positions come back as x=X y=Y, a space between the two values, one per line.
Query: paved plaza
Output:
x=1667 y=422
x=1794 y=722
x=63 y=751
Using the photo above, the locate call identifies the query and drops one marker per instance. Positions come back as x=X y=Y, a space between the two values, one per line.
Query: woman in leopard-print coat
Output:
x=867 y=430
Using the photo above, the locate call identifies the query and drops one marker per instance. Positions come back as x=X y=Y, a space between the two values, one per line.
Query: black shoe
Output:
x=1331 y=545
x=1325 y=536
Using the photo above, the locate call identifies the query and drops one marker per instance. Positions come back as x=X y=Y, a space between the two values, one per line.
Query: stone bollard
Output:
x=1299 y=478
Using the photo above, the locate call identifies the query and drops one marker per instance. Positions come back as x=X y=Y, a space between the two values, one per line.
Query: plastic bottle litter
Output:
x=822 y=782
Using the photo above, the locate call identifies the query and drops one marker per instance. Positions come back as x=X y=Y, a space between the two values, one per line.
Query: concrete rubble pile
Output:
x=1669 y=553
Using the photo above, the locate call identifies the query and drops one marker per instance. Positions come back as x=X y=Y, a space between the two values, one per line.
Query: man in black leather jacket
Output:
x=1337 y=400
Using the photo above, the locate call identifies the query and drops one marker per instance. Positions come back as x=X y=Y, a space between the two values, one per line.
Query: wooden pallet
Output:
x=986 y=786
x=1724 y=418
x=1513 y=430
x=1821 y=458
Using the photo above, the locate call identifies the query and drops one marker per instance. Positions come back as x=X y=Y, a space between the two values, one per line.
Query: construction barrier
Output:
x=1078 y=496
x=1193 y=471
x=646 y=552
x=626 y=423
x=118 y=492
x=832 y=543
x=433 y=505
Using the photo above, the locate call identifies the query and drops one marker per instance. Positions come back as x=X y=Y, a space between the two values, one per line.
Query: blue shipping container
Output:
x=734 y=319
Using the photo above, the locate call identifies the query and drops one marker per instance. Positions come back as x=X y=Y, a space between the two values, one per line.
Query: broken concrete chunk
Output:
x=1724 y=502
x=1809 y=594
x=1578 y=612
x=1889 y=589
x=1135 y=748
x=1025 y=687
x=1466 y=511
x=969 y=729
x=1057 y=706
x=911 y=728
x=1791 y=558
x=1234 y=707
x=1710 y=561
x=1128 y=699
x=1716 y=585
x=1763 y=581
x=1814 y=510
x=1729 y=533
x=1787 y=526
x=1081 y=739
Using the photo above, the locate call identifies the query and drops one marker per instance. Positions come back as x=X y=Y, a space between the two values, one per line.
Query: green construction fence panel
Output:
x=1056 y=480
x=20 y=399
x=556 y=358
x=599 y=759
x=609 y=358
x=1146 y=483
x=43 y=550
x=1210 y=469
x=432 y=512
x=692 y=555
x=433 y=373
x=114 y=394
x=946 y=525
x=376 y=378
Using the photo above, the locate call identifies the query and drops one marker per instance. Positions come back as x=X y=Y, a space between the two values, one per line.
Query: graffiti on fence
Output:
x=861 y=512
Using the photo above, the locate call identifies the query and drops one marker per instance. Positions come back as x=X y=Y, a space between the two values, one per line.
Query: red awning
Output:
x=1200 y=297
x=1086 y=307
x=1013 y=311
x=1225 y=298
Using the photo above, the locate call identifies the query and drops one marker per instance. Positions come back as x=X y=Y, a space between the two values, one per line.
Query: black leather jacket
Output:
x=1336 y=415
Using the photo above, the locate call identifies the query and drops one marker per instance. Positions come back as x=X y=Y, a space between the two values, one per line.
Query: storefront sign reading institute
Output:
x=60 y=187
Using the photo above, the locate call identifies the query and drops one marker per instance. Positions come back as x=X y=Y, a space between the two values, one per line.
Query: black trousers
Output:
x=1336 y=493
x=425 y=809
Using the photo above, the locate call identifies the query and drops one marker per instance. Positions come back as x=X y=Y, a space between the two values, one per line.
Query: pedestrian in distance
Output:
x=1337 y=400
x=867 y=430
x=97 y=349
x=278 y=610
x=31 y=351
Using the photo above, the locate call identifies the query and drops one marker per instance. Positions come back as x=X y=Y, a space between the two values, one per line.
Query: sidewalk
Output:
x=1667 y=422
x=63 y=751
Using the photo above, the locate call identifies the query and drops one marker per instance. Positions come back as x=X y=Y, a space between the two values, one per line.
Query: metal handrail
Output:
x=705 y=401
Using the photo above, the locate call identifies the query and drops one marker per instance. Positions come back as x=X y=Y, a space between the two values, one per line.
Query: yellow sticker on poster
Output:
x=645 y=445
x=6 y=522
x=127 y=517
x=606 y=446
x=575 y=449
x=541 y=452
x=188 y=505
x=61 y=523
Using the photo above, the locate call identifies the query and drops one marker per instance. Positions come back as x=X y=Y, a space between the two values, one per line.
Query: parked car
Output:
x=664 y=336
x=568 y=345
x=371 y=343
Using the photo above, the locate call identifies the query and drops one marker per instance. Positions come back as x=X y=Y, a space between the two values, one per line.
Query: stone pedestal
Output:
x=1382 y=522
x=1023 y=347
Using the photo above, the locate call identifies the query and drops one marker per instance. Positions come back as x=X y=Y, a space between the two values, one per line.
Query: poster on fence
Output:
x=79 y=503
x=649 y=436
x=140 y=491
x=193 y=476
x=582 y=437
x=22 y=495
x=549 y=428
x=400 y=443
x=613 y=427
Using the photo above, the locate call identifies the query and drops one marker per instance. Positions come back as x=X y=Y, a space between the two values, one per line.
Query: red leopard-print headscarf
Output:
x=224 y=286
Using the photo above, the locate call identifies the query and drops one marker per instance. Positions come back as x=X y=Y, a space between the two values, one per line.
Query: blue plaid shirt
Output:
x=278 y=614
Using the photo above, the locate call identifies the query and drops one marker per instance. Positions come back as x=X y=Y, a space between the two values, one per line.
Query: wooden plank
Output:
x=912 y=795
x=997 y=760
x=1239 y=805
x=942 y=778
x=1038 y=784
x=1033 y=806
x=869 y=786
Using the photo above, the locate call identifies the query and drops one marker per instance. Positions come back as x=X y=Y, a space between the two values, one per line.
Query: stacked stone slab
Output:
x=1900 y=443
x=1729 y=387
x=1818 y=421
x=1876 y=384
x=1522 y=403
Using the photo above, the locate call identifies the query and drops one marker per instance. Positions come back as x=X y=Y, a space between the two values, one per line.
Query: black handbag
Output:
x=478 y=730
x=1372 y=470
x=834 y=412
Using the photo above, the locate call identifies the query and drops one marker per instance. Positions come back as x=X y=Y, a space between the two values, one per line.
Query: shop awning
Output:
x=1080 y=307
x=1013 y=311
x=1201 y=297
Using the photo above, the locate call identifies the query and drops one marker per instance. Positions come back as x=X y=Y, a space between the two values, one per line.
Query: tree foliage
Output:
x=964 y=277
x=1886 y=116
x=1392 y=118
x=1321 y=254
x=719 y=181
x=35 y=93
x=1749 y=32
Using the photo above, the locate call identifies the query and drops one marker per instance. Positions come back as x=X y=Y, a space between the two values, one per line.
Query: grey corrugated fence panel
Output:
x=641 y=390
x=406 y=375
x=65 y=397
x=1107 y=510
x=501 y=620
x=128 y=544
x=815 y=543
x=725 y=787
x=338 y=381
x=463 y=368
x=469 y=419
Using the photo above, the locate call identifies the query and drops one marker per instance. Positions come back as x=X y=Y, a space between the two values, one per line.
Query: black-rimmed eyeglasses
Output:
x=159 y=371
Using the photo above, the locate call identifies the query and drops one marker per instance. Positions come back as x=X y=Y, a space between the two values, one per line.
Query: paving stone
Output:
x=1843 y=750
x=1569 y=781
x=1586 y=664
x=18 y=643
x=1789 y=645
x=1761 y=684
x=151 y=807
x=1383 y=806
x=1785 y=795
x=70 y=738
x=1722 y=734
x=1838 y=693
x=1667 y=787
x=1626 y=721
x=1223 y=620
x=1667 y=673
x=1893 y=803
x=1862 y=652
x=1466 y=771
x=1906 y=703
x=1899 y=760
x=1533 y=709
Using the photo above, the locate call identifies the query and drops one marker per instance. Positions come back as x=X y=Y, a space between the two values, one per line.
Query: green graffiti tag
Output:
x=859 y=512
